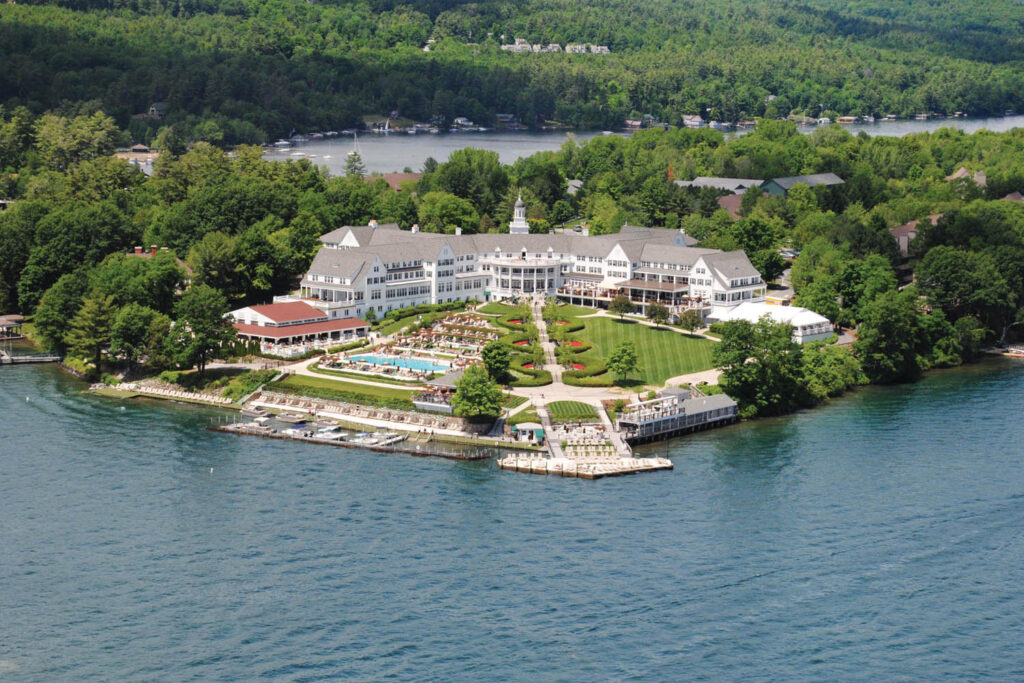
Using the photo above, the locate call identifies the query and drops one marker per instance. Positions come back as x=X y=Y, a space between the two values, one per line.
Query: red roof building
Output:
x=294 y=322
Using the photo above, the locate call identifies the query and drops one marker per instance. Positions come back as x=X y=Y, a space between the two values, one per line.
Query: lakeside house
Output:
x=381 y=267
x=294 y=322
x=10 y=326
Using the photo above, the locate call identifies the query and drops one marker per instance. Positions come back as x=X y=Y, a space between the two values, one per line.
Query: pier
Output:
x=8 y=359
x=584 y=452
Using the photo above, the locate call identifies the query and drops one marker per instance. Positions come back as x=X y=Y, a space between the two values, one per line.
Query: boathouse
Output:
x=674 y=413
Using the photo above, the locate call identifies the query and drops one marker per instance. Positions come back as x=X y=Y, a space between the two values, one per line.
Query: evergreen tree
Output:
x=354 y=167
x=90 y=329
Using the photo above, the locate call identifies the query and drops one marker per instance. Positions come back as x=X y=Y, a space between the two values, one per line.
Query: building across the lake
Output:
x=385 y=268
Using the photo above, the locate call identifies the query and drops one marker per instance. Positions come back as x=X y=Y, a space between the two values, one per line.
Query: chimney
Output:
x=458 y=231
x=373 y=224
x=152 y=250
x=415 y=227
x=138 y=250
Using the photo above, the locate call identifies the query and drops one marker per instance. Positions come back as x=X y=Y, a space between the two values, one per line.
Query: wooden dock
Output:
x=8 y=359
x=588 y=453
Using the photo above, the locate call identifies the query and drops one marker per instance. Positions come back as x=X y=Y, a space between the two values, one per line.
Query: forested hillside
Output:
x=234 y=71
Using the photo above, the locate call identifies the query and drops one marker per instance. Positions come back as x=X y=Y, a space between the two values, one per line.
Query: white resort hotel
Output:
x=385 y=268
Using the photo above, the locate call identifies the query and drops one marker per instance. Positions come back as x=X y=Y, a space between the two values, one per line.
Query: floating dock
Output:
x=584 y=469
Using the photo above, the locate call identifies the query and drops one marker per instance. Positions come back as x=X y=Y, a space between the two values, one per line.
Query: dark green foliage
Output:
x=200 y=327
x=90 y=329
x=621 y=305
x=762 y=367
x=497 y=357
x=476 y=394
x=233 y=72
x=130 y=333
x=58 y=306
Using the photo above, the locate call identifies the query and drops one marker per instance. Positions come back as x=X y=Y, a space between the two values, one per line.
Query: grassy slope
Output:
x=663 y=353
x=571 y=411
x=299 y=381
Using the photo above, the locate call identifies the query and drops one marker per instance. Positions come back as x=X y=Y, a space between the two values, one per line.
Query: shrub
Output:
x=348 y=347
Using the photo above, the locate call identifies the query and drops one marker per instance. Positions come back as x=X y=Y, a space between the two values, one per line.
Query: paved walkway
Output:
x=621 y=447
x=551 y=364
x=706 y=376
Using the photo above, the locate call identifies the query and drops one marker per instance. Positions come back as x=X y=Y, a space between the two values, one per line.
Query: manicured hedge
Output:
x=595 y=374
x=348 y=347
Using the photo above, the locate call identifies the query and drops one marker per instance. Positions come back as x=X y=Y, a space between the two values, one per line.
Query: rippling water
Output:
x=880 y=537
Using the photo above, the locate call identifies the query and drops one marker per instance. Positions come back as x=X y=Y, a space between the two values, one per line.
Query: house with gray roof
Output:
x=782 y=186
x=734 y=185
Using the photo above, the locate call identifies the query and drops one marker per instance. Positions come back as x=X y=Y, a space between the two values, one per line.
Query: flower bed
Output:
x=575 y=343
x=579 y=366
x=521 y=342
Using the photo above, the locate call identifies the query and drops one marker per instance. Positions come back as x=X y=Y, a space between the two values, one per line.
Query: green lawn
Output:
x=569 y=311
x=512 y=401
x=571 y=411
x=528 y=415
x=348 y=392
x=497 y=308
x=663 y=353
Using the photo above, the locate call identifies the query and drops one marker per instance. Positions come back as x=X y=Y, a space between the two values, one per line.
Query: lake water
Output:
x=394 y=152
x=878 y=538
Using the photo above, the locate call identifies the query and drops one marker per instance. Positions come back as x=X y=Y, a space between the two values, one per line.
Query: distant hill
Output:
x=231 y=71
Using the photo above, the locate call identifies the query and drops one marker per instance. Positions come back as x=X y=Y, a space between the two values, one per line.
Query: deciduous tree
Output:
x=623 y=360
x=621 y=305
x=476 y=394
x=200 y=326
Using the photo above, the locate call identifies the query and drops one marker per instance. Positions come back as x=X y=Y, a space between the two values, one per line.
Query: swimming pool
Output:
x=418 y=364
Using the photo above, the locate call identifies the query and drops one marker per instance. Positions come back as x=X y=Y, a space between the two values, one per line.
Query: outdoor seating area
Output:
x=460 y=333
x=402 y=419
x=296 y=350
x=434 y=400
